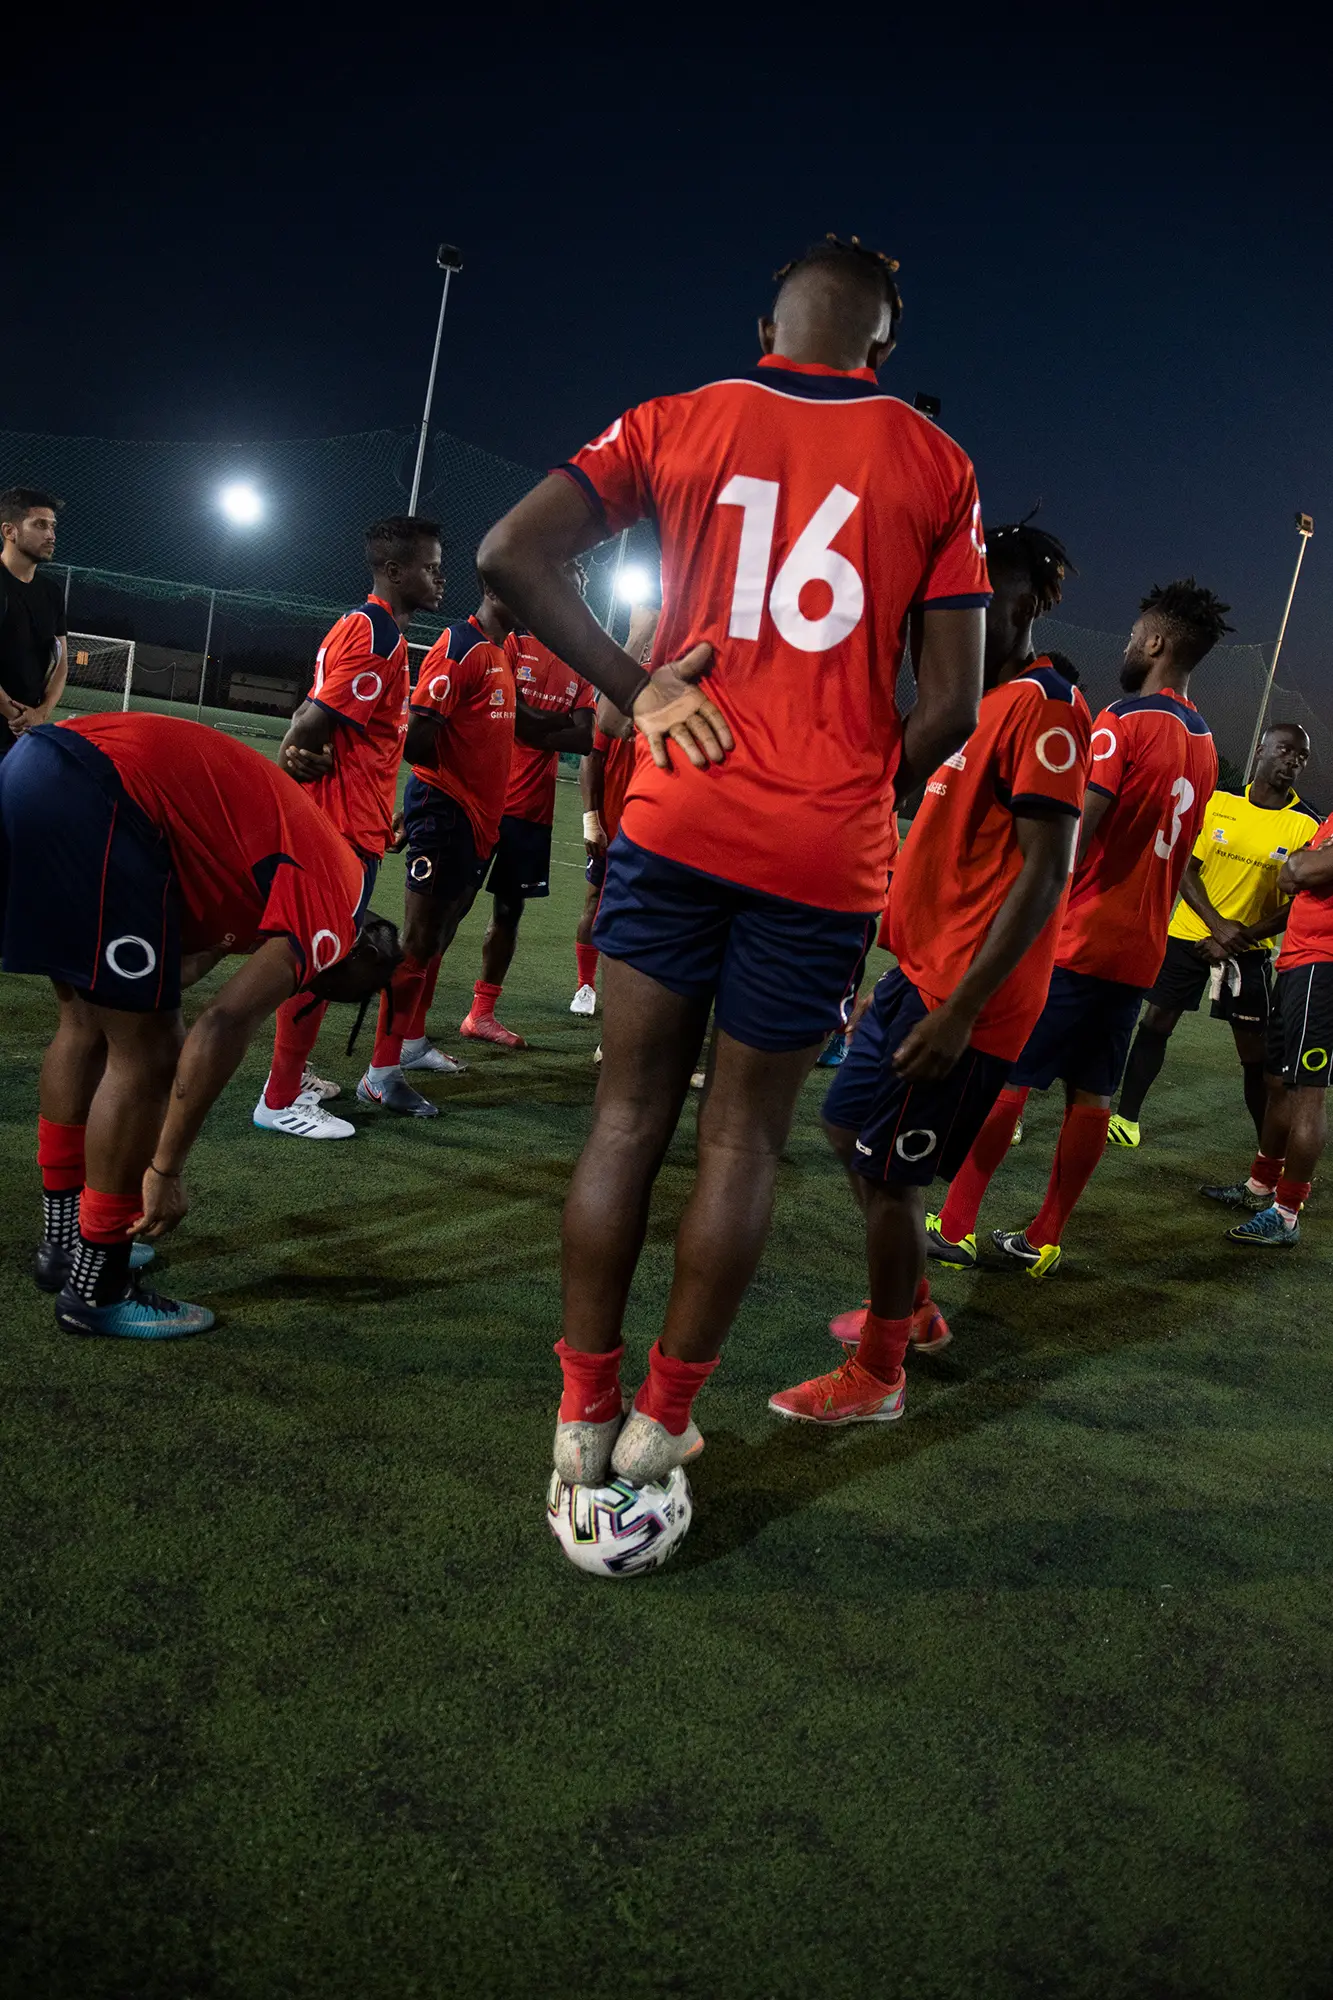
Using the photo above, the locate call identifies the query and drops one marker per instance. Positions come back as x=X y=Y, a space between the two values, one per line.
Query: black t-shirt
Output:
x=32 y=617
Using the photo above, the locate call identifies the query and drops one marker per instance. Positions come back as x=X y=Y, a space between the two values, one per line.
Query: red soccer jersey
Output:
x=1308 y=939
x=1030 y=747
x=1153 y=754
x=617 y=770
x=547 y=684
x=361 y=677
x=254 y=856
x=802 y=513
x=466 y=682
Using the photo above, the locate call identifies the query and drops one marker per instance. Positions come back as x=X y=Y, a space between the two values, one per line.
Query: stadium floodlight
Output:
x=241 y=503
x=634 y=585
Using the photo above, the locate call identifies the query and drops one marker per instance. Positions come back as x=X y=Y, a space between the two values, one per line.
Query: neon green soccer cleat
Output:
x=954 y=1256
x=1123 y=1132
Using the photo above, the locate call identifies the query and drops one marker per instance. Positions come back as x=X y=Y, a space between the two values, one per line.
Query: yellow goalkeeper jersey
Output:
x=1242 y=848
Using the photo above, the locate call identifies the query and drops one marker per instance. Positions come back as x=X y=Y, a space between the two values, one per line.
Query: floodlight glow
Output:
x=635 y=585
x=241 y=504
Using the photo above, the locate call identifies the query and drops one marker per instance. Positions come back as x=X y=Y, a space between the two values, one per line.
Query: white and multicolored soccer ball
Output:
x=620 y=1530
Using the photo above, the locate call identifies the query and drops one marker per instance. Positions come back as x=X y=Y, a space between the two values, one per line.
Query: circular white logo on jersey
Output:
x=908 y=1149
x=325 y=959
x=376 y=688
x=136 y=948
x=1060 y=741
x=439 y=687
x=1100 y=756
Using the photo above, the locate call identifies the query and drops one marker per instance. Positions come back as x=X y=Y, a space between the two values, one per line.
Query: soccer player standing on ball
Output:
x=803 y=516
x=972 y=920
x=135 y=852
x=346 y=742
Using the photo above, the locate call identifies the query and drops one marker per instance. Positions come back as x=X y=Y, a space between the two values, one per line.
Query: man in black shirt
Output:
x=33 y=650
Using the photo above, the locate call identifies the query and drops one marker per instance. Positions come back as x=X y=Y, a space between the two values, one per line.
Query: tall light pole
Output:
x=449 y=260
x=242 y=507
x=1304 y=528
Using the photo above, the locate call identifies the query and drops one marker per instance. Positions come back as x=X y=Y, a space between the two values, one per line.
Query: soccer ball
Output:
x=619 y=1530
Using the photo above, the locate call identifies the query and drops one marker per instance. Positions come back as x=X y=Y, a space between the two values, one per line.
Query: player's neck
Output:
x=818 y=348
x=1018 y=662
x=1268 y=798
x=402 y=613
x=1167 y=678
x=20 y=566
x=494 y=628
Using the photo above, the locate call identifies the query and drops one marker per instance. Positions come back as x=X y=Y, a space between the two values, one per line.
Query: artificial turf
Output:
x=1027 y=1695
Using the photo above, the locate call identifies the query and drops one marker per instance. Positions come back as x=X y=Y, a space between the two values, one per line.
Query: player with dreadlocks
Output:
x=802 y=514
x=1154 y=768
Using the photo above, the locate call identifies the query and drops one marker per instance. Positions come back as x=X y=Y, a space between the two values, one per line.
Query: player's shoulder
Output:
x=1307 y=811
x=465 y=643
x=1040 y=684
x=1148 y=709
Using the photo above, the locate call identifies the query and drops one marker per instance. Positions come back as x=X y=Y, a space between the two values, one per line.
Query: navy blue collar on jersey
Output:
x=1163 y=704
x=817 y=388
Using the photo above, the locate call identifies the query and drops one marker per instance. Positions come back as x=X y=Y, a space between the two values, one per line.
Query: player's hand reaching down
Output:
x=165 y=1203
x=671 y=705
x=934 y=1045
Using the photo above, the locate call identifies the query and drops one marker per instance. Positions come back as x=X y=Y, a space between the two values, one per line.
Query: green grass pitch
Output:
x=1027 y=1695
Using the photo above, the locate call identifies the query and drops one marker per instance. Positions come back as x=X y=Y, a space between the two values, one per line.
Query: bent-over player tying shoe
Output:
x=135 y=852
x=802 y=515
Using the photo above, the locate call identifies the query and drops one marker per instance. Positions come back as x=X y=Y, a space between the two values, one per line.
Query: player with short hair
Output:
x=556 y=706
x=1229 y=912
x=803 y=517
x=135 y=852
x=34 y=645
x=1154 y=767
x=1300 y=1044
x=346 y=742
x=973 y=921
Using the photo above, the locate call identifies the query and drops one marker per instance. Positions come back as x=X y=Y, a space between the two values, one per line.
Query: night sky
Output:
x=1114 y=243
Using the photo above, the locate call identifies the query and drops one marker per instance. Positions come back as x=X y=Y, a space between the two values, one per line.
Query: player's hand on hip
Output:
x=307 y=766
x=934 y=1046
x=399 y=831
x=672 y=706
x=165 y=1203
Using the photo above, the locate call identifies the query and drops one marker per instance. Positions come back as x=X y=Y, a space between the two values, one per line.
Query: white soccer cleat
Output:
x=306 y=1119
x=584 y=1001
x=318 y=1086
x=582 y=1454
x=646 y=1453
x=423 y=1054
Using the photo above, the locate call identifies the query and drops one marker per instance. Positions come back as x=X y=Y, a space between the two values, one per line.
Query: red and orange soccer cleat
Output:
x=850 y=1395
x=930 y=1329
x=485 y=1028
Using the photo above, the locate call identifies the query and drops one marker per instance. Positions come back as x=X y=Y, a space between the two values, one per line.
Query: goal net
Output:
x=106 y=664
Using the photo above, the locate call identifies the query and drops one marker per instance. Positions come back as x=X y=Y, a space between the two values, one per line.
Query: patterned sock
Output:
x=668 y=1394
x=100 y=1273
x=958 y=1217
x=1082 y=1143
x=293 y=1041
x=592 y=1385
x=60 y=1217
x=586 y=957
x=882 y=1346
x=1289 y=1197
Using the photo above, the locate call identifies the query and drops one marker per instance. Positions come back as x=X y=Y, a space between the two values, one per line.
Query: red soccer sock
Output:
x=882 y=1345
x=484 y=997
x=1265 y=1171
x=586 y=957
x=669 y=1392
x=1082 y=1143
x=958 y=1217
x=416 y=1026
x=106 y=1218
x=592 y=1385
x=60 y=1156
x=397 y=1005
x=293 y=1041
x=922 y=1295
x=1291 y=1196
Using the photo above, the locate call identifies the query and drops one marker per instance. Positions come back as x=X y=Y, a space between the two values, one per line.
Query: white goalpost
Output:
x=98 y=662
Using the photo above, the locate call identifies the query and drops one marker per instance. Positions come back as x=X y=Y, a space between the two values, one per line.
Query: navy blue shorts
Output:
x=1082 y=1035
x=781 y=975
x=521 y=863
x=442 y=858
x=906 y=1133
x=595 y=872
x=89 y=892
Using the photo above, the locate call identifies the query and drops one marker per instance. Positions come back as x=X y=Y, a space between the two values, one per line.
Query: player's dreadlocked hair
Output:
x=1193 y=617
x=851 y=254
x=1019 y=549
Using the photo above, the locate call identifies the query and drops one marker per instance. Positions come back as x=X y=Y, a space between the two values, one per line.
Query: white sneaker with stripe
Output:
x=306 y=1119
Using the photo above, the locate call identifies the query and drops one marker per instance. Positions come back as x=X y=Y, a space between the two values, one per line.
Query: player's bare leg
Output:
x=650 y=1042
x=497 y=955
x=1250 y=1052
x=895 y=1234
x=1143 y=1069
x=1296 y=1133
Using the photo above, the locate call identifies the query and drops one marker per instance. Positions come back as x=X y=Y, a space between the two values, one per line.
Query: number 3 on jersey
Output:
x=1183 y=794
x=809 y=560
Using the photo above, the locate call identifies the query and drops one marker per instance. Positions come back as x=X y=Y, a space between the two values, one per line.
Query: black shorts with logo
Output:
x=521 y=863
x=1183 y=980
x=1300 y=1028
x=442 y=858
